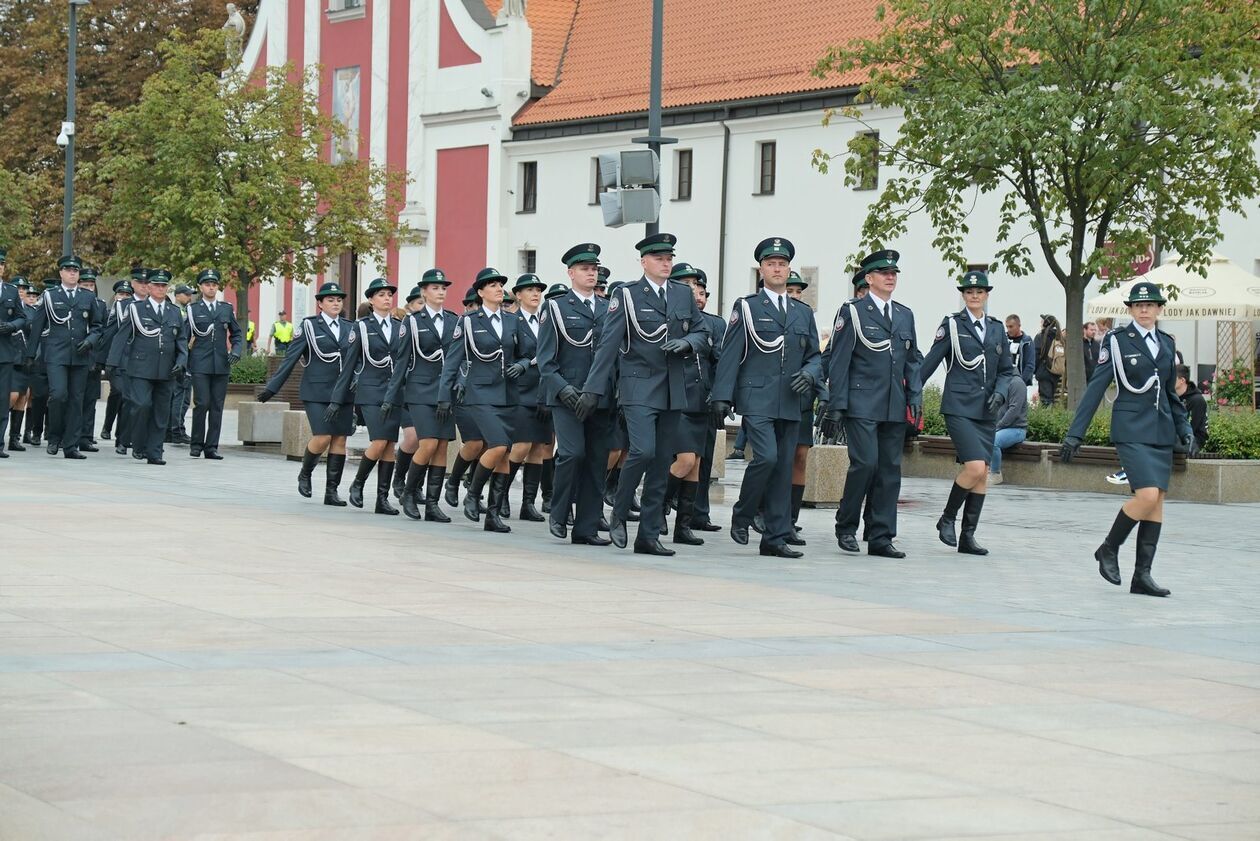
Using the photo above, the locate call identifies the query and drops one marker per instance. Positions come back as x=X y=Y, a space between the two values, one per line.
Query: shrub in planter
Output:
x=1234 y=434
x=1234 y=386
x=250 y=370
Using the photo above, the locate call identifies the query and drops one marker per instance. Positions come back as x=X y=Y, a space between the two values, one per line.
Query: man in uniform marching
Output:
x=769 y=359
x=156 y=352
x=653 y=324
x=12 y=320
x=570 y=327
x=92 y=391
x=67 y=328
x=215 y=342
x=113 y=406
x=874 y=378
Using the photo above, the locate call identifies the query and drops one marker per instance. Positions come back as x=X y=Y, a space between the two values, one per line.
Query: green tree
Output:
x=1098 y=125
x=214 y=168
x=15 y=209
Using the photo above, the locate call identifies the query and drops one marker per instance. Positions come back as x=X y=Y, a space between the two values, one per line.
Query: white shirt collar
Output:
x=884 y=305
x=656 y=287
x=331 y=322
x=435 y=315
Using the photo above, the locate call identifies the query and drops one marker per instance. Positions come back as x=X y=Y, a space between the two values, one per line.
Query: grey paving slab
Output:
x=247 y=664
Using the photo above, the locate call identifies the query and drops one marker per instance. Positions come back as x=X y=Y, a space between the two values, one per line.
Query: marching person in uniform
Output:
x=417 y=376
x=873 y=378
x=117 y=359
x=156 y=352
x=1148 y=424
x=653 y=325
x=770 y=359
x=796 y=287
x=113 y=406
x=100 y=354
x=214 y=346
x=475 y=375
x=19 y=390
x=370 y=365
x=601 y=284
x=716 y=326
x=407 y=443
x=570 y=327
x=66 y=328
x=472 y=447
x=531 y=427
x=36 y=375
x=978 y=368
x=181 y=390
x=320 y=344
x=12 y=322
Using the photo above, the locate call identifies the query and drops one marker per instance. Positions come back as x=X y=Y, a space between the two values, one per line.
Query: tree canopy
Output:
x=1099 y=126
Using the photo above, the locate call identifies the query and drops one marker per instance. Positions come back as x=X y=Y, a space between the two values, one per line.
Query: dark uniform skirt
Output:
x=494 y=423
x=380 y=427
x=528 y=428
x=973 y=439
x=466 y=422
x=805 y=435
x=424 y=419
x=343 y=424
x=1147 y=465
x=689 y=437
x=19 y=382
x=404 y=416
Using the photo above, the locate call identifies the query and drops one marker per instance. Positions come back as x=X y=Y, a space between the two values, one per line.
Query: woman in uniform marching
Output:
x=364 y=379
x=532 y=435
x=320 y=343
x=978 y=367
x=430 y=332
x=694 y=424
x=19 y=384
x=1148 y=424
x=474 y=375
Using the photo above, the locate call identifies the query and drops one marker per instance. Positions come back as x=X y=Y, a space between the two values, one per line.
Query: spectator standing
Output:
x=1196 y=405
x=281 y=335
x=1022 y=355
x=1090 y=345
x=1051 y=359
x=1012 y=427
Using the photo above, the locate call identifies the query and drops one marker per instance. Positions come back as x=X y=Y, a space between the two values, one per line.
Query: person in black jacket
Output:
x=1196 y=405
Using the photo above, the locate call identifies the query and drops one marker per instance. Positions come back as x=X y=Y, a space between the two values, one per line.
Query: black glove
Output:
x=265 y=395
x=585 y=405
x=514 y=370
x=83 y=346
x=916 y=414
x=996 y=401
x=387 y=409
x=569 y=396
x=543 y=412
x=1183 y=444
x=1068 y=450
x=802 y=382
x=1194 y=447
x=459 y=392
x=443 y=413
x=233 y=358
x=178 y=371
x=109 y=370
x=720 y=410
x=330 y=414
x=5 y=328
x=682 y=347
x=830 y=425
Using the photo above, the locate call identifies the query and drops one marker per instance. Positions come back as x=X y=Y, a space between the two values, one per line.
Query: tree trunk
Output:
x=244 y=281
x=1075 y=385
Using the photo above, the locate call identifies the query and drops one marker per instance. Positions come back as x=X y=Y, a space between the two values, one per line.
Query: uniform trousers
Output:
x=581 y=456
x=768 y=478
x=113 y=406
x=181 y=397
x=7 y=384
x=151 y=415
x=874 y=469
x=66 y=384
x=706 y=473
x=127 y=412
x=651 y=433
x=209 y=392
x=91 y=393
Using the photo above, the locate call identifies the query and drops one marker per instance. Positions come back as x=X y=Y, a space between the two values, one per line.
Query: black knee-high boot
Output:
x=945 y=525
x=366 y=466
x=410 y=498
x=336 y=465
x=309 y=460
x=686 y=510
x=505 y=507
x=15 y=430
x=384 y=478
x=1147 y=543
x=458 y=469
x=530 y=480
x=547 y=482
x=433 y=512
x=400 y=474
x=498 y=493
x=1108 y=554
x=971 y=518
x=472 y=500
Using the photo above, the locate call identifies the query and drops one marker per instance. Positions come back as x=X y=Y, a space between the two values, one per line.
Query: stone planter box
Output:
x=824 y=475
x=261 y=423
x=238 y=393
x=295 y=434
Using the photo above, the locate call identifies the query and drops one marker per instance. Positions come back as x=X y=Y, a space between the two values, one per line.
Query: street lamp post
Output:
x=654 y=140
x=66 y=138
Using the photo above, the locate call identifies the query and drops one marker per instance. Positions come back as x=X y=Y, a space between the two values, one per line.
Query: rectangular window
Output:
x=682 y=173
x=528 y=260
x=870 y=168
x=528 y=187
x=345 y=110
x=766 y=168
x=809 y=274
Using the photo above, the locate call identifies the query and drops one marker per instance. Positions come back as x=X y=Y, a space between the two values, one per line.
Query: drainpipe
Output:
x=726 y=163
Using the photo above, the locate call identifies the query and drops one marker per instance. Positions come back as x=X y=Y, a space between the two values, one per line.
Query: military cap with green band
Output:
x=1146 y=292
x=774 y=247
x=974 y=279
x=434 y=276
x=587 y=252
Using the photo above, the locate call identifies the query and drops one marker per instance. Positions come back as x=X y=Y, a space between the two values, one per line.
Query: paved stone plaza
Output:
x=195 y=652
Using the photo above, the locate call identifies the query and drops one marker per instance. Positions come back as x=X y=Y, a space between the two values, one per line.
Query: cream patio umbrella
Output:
x=1228 y=293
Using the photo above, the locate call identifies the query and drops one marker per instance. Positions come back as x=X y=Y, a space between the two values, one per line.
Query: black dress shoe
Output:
x=194 y=451
x=558 y=530
x=759 y=523
x=120 y=449
x=602 y=525
x=779 y=550
x=651 y=547
x=213 y=455
x=3 y=454
x=848 y=543
x=794 y=539
x=52 y=448
x=705 y=526
x=88 y=448
x=104 y=434
x=1108 y=563
x=16 y=446
x=739 y=533
x=617 y=531
x=595 y=540
x=158 y=461
x=73 y=454
x=886 y=550
x=137 y=455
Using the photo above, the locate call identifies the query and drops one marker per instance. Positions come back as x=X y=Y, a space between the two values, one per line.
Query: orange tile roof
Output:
x=714 y=52
x=550 y=21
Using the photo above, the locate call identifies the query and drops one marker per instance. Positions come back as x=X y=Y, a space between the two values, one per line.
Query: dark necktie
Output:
x=662 y=295
x=590 y=305
x=782 y=307
x=1150 y=337
x=533 y=320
